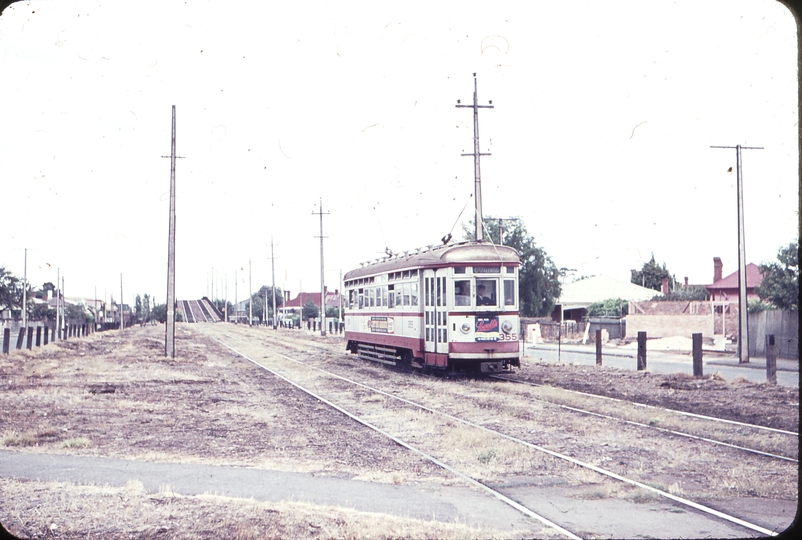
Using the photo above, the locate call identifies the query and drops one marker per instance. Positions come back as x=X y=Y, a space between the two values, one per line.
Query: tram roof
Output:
x=463 y=252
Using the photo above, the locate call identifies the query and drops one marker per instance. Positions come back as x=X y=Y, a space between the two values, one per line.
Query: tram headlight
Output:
x=465 y=328
x=506 y=327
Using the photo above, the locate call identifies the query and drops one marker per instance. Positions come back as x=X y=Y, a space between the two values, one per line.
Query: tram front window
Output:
x=462 y=292
x=486 y=292
x=509 y=292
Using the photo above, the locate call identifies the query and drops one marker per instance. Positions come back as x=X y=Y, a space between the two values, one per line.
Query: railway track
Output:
x=350 y=397
x=779 y=444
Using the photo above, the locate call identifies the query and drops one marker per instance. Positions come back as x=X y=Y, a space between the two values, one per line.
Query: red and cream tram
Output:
x=451 y=307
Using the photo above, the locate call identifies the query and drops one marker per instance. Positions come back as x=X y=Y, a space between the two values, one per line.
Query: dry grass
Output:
x=64 y=510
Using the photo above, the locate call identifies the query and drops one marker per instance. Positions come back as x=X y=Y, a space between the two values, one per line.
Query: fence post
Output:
x=46 y=332
x=20 y=338
x=598 y=348
x=641 y=351
x=38 y=336
x=29 y=344
x=771 y=360
x=697 y=355
x=6 y=339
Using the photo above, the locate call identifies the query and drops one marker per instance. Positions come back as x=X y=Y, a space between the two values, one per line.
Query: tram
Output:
x=447 y=308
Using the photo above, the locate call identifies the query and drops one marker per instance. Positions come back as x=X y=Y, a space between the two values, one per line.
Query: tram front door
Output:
x=435 y=320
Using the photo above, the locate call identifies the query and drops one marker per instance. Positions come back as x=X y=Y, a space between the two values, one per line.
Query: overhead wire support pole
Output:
x=322 y=281
x=476 y=153
x=743 y=319
x=169 y=338
x=273 y=272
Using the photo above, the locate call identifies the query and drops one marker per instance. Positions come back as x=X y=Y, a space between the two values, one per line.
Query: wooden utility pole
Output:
x=322 y=281
x=25 y=292
x=501 y=229
x=122 y=319
x=273 y=272
x=476 y=173
x=250 y=296
x=743 y=319
x=169 y=338
x=57 y=337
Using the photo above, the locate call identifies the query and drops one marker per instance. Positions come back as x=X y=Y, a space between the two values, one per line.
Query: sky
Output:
x=600 y=132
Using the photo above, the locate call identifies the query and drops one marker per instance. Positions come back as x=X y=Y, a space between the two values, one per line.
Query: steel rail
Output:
x=605 y=472
x=635 y=403
x=524 y=510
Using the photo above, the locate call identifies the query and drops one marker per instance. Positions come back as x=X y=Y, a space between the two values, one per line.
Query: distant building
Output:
x=293 y=306
x=726 y=289
x=577 y=296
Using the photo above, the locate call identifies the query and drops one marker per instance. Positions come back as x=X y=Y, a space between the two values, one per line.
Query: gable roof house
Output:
x=726 y=289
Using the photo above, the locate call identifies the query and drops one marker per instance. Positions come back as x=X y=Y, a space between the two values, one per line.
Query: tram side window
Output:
x=391 y=296
x=509 y=292
x=406 y=287
x=351 y=299
x=361 y=298
x=414 y=294
x=462 y=292
x=486 y=292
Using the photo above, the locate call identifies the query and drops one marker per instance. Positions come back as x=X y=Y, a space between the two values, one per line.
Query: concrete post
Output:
x=38 y=336
x=598 y=347
x=29 y=344
x=771 y=359
x=641 y=351
x=697 y=355
x=6 y=339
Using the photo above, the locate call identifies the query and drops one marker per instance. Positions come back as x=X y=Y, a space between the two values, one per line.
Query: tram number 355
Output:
x=507 y=337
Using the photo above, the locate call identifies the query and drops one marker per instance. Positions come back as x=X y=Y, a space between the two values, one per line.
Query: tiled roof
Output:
x=753 y=279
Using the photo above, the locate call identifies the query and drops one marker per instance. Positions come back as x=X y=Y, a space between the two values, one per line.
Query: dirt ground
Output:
x=740 y=400
x=115 y=394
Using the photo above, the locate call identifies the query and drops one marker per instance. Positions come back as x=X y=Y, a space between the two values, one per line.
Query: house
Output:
x=577 y=296
x=293 y=307
x=726 y=289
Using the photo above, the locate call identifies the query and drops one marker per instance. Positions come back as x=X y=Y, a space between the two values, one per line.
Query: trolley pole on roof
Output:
x=743 y=324
x=476 y=154
x=322 y=286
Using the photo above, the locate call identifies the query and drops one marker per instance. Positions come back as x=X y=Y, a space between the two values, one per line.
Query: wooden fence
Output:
x=784 y=325
x=15 y=336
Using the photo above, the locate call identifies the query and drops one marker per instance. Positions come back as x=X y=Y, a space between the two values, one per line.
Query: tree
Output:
x=612 y=307
x=10 y=290
x=686 y=293
x=138 y=307
x=258 y=299
x=538 y=276
x=310 y=310
x=76 y=312
x=651 y=275
x=780 y=285
x=159 y=313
